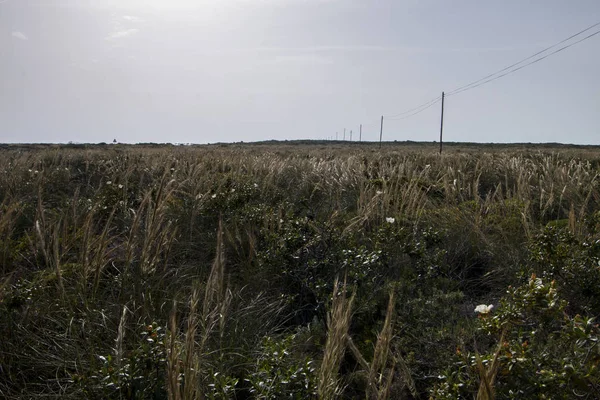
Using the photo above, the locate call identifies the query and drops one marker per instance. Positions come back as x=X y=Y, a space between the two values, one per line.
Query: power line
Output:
x=372 y=123
x=528 y=64
x=491 y=77
x=418 y=112
x=428 y=104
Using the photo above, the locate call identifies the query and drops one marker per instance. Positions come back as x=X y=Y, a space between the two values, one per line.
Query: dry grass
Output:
x=338 y=323
x=185 y=356
x=487 y=375
x=109 y=258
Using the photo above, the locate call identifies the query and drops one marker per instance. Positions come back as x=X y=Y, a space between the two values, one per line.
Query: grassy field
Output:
x=298 y=270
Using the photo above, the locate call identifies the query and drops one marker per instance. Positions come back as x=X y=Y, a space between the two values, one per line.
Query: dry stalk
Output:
x=190 y=361
x=380 y=355
x=338 y=322
x=120 y=336
x=488 y=375
x=173 y=357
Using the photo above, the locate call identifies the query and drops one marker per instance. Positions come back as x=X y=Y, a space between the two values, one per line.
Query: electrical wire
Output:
x=491 y=77
x=428 y=104
x=494 y=76
x=415 y=113
x=526 y=65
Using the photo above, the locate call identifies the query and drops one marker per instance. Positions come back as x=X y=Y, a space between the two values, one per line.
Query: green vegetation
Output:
x=296 y=271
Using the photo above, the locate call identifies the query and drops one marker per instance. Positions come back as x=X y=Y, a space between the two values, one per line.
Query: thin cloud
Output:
x=19 y=35
x=122 y=34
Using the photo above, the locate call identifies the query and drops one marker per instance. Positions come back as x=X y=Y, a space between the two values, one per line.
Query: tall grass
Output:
x=338 y=324
x=224 y=246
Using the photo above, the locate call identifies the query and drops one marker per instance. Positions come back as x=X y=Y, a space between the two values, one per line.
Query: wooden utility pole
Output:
x=350 y=134
x=381 y=131
x=344 y=133
x=360 y=134
x=442 y=123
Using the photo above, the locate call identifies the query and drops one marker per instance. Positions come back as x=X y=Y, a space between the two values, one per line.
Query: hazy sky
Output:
x=229 y=70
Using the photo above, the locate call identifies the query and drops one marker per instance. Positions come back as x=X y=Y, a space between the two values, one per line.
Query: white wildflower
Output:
x=390 y=220
x=214 y=196
x=109 y=182
x=232 y=190
x=256 y=185
x=379 y=192
x=483 y=309
x=120 y=186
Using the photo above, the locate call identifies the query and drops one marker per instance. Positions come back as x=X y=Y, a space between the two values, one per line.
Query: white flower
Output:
x=214 y=196
x=232 y=190
x=120 y=186
x=483 y=309
x=390 y=220
x=109 y=182
x=454 y=183
x=256 y=185
x=379 y=192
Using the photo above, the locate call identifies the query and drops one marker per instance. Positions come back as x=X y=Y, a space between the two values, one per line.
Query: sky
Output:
x=206 y=71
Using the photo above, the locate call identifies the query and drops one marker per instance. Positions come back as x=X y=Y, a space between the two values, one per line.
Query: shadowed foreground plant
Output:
x=380 y=374
x=186 y=358
x=338 y=322
x=173 y=367
x=487 y=375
